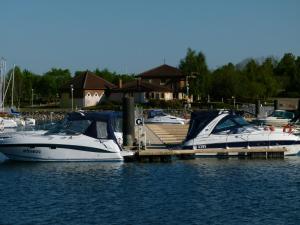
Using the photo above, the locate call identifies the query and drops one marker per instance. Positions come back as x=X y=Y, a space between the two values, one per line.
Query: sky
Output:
x=131 y=36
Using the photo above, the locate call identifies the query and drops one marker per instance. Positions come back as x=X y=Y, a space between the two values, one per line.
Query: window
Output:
x=96 y=95
x=231 y=124
x=157 y=95
x=88 y=94
x=162 y=95
x=70 y=127
x=162 y=81
x=101 y=129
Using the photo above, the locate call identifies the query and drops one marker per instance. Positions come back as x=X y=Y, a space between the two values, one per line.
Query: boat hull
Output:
x=44 y=153
x=287 y=150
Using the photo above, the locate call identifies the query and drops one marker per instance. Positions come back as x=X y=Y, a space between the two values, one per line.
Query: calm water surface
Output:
x=201 y=191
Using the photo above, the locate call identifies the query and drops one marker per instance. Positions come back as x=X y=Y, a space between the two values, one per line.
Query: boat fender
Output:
x=287 y=128
x=270 y=128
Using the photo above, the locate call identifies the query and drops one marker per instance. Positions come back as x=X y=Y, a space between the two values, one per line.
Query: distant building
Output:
x=162 y=83
x=288 y=103
x=165 y=76
x=88 y=90
x=141 y=91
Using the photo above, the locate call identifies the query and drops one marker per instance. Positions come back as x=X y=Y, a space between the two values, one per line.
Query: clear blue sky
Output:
x=135 y=35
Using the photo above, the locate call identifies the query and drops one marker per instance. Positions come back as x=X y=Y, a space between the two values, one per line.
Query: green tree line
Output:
x=45 y=88
x=249 y=80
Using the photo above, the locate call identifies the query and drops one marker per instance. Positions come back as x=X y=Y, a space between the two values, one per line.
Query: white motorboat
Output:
x=8 y=122
x=80 y=137
x=158 y=116
x=226 y=130
x=278 y=118
x=29 y=121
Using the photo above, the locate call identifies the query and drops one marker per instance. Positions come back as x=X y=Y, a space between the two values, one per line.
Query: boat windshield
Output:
x=70 y=127
x=154 y=113
x=283 y=114
x=231 y=123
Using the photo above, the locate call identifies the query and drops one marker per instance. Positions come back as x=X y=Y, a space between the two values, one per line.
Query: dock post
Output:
x=128 y=121
x=276 y=104
x=257 y=108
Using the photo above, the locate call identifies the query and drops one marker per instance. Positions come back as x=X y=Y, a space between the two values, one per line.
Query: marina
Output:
x=149 y=112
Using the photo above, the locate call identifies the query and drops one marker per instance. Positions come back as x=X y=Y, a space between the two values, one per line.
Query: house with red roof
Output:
x=87 y=89
x=168 y=77
x=161 y=83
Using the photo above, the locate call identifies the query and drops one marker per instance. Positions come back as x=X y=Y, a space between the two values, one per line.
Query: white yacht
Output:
x=8 y=122
x=224 y=130
x=29 y=122
x=158 y=116
x=81 y=136
x=277 y=118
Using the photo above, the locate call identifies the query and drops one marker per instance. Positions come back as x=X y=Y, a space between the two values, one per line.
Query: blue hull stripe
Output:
x=245 y=144
x=32 y=158
x=54 y=146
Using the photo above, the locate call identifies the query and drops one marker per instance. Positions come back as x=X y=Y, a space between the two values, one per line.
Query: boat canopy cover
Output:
x=94 y=124
x=199 y=120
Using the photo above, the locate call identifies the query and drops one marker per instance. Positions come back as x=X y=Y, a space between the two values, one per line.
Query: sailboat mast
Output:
x=12 y=86
x=2 y=82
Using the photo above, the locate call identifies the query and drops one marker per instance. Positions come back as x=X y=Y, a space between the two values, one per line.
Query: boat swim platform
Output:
x=166 y=155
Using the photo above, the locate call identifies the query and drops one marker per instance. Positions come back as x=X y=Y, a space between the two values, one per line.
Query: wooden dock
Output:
x=165 y=155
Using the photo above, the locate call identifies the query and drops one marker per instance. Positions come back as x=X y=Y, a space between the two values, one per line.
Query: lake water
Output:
x=201 y=191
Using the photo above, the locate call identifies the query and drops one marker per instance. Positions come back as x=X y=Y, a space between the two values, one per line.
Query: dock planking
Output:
x=165 y=155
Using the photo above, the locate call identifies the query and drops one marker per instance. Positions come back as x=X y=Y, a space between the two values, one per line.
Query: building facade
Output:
x=168 y=77
x=85 y=89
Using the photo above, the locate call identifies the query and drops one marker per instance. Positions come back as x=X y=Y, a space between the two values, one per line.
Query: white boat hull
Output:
x=23 y=153
x=289 y=150
x=38 y=147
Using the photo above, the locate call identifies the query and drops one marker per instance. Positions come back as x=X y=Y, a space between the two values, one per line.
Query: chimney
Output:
x=120 y=83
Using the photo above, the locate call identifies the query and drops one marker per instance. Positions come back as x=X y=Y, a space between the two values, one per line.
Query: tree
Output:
x=52 y=81
x=285 y=72
x=195 y=64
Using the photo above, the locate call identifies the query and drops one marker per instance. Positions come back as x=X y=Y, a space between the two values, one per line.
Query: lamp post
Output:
x=233 y=101
x=32 y=98
x=187 y=82
x=72 y=89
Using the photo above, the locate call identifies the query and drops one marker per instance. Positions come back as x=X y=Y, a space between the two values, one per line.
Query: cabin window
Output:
x=101 y=129
x=224 y=125
x=230 y=123
x=96 y=95
x=88 y=94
